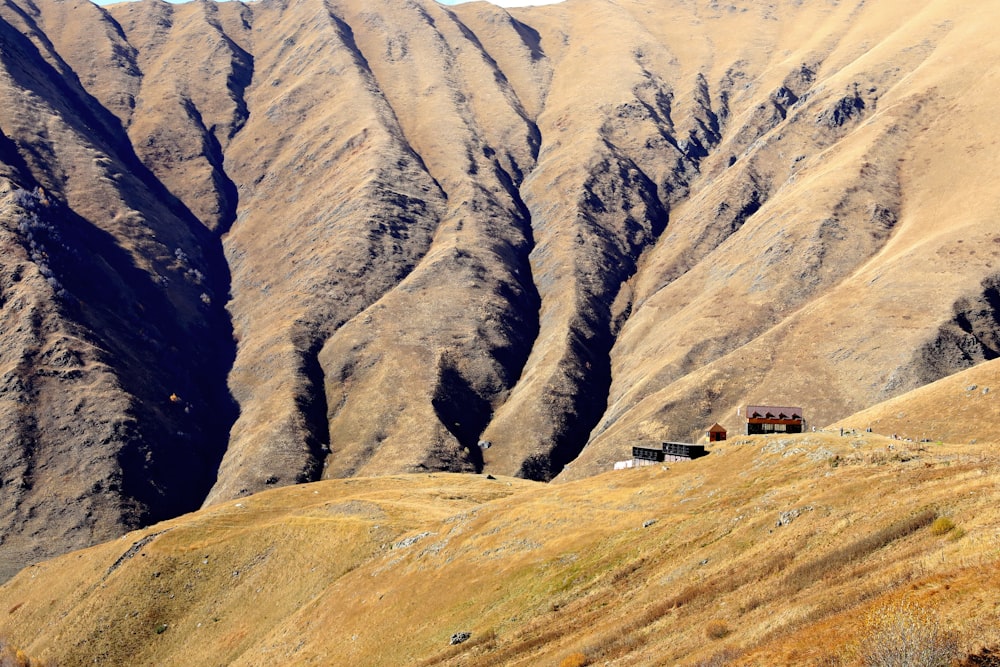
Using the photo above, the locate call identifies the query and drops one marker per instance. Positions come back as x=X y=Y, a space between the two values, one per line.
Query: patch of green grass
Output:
x=942 y=525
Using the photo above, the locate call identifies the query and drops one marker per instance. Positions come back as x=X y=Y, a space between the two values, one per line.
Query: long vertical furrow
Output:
x=470 y=303
x=765 y=242
x=580 y=268
x=309 y=253
x=122 y=361
x=592 y=222
x=187 y=108
x=99 y=54
x=516 y=50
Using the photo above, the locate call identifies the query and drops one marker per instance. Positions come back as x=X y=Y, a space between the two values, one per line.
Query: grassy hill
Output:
x=249 y=245
x=772 y=550
x=959 y=408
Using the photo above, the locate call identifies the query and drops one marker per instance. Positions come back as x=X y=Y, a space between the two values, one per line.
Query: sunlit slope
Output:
x=959 y=408
x=868 y=263
x=561 y=229
x=785 y=541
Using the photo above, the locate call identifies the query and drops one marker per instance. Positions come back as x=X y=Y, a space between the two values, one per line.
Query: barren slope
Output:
x=959 y=408
x=866 y=267
x=558 y=229
x=113 y=357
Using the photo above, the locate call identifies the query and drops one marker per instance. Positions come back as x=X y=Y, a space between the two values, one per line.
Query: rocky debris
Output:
x=410 y=541
x=785 y=518
x=459 y=638
x=845 y=109
x=133 y=550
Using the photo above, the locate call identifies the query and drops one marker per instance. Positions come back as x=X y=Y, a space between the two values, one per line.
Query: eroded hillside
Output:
x=249 y=245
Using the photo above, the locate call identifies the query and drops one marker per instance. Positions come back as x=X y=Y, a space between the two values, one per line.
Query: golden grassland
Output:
x=771 y=550
x=964 y=407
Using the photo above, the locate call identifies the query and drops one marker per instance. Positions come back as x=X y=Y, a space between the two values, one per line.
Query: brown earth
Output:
x=250 y=245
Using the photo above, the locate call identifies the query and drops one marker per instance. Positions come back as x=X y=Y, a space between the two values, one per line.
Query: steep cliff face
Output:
x=249 y=245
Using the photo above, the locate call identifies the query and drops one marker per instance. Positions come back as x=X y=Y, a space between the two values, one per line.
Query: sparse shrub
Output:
x=161 y=628
x=752 y=603
x=574 y=660
x=537 y=467
x=905 y=635
x=957 y=534
x=29 y=201
x=40 y=237
x=809 y=573
x=942 y=525
x=716 y=629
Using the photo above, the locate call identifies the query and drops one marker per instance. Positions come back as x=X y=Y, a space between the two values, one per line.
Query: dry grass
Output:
x=716 y=629
x=904 y=635
x=942 y=526
x=350 y=195
x=539 y=573
x=574 y=660
x=814 y=571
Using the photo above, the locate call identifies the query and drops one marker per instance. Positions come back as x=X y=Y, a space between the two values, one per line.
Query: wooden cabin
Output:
x=716 y=433
x=763 y=419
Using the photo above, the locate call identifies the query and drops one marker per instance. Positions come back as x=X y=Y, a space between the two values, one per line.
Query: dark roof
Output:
x=773 y=412
x=683 y=449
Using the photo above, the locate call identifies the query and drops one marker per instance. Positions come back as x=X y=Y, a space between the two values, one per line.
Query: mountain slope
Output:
x=959 y=408
x=110 y=357
x=276 y=242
